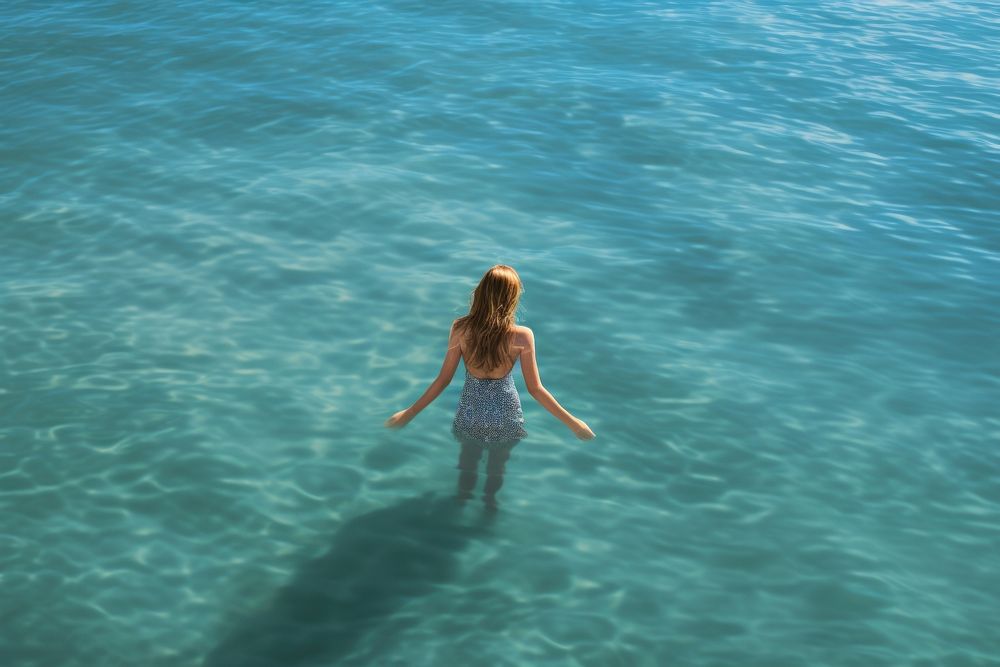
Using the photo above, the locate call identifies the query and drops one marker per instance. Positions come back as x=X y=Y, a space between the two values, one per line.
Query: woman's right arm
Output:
x=533 y=383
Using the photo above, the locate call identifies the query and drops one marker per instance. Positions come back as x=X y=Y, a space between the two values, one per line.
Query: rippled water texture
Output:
x=760 y=249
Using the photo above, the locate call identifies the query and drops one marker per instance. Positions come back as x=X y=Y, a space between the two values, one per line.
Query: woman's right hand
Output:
x=581 y=430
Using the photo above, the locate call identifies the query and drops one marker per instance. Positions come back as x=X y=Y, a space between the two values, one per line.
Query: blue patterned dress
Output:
x=489 y=412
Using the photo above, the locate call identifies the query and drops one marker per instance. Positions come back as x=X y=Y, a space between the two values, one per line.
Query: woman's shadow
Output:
x=377 y=562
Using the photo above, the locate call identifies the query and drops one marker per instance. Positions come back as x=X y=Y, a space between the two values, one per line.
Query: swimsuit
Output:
x=489 y=412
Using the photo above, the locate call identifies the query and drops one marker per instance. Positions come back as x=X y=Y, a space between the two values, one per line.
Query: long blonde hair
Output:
x=490 y=321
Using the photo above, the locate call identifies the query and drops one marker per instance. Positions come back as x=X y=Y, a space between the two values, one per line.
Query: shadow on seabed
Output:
x=377 y=562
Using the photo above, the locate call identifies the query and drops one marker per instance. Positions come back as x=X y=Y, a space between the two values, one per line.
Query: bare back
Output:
x=522 y=346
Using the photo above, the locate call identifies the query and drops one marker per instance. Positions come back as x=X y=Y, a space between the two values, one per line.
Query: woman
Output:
x=489 y=416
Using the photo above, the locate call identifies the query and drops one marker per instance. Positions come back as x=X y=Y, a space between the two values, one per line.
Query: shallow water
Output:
x=760 y=249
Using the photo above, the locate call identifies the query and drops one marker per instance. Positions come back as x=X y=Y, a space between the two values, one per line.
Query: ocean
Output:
x=760 y=249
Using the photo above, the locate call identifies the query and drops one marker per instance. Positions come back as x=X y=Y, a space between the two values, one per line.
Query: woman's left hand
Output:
x=398 y=420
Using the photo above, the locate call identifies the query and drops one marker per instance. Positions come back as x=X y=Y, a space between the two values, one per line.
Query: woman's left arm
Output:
x=447 y=372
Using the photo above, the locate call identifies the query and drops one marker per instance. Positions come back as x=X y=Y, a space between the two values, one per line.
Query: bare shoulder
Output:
x=523 y=336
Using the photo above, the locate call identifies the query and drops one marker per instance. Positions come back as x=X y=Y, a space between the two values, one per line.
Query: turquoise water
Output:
x=760 y=246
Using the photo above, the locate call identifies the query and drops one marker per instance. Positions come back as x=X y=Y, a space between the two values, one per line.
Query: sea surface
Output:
x=760 y=247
